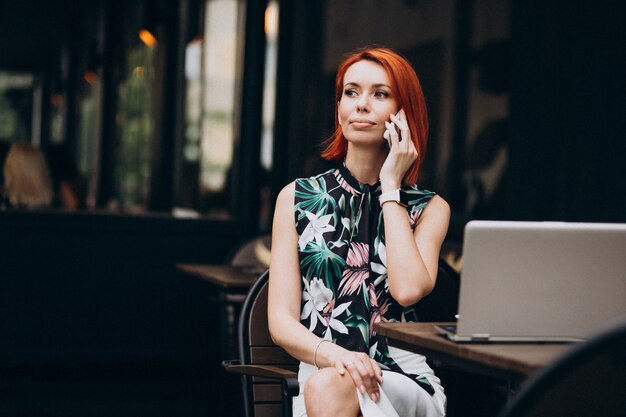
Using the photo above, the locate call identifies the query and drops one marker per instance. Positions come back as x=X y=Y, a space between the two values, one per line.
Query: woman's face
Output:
x=366 y=102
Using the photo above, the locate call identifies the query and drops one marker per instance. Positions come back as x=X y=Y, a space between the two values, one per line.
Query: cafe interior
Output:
x=173 y=125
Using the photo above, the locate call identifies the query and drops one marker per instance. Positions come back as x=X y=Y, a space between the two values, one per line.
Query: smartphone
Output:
x=386 y=134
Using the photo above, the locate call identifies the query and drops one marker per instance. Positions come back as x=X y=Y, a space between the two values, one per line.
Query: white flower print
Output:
x=316 y=296
x=318 y=225
x=378 y=268
x=332 y=321
x=372 y=352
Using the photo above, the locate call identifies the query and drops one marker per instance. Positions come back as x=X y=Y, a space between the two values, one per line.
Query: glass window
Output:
x=135 y=124
x=213 y=71
x=269 y=107
x=188 y=189
x=221 y=77
x=16 y=106
x=88 y=130
x=269 y=88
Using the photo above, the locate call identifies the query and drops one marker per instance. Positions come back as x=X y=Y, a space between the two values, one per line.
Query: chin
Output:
x=364 y=138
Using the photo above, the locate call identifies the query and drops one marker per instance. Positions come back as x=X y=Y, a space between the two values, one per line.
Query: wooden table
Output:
x=232 y=282
x=229 y=277
x=511 y=361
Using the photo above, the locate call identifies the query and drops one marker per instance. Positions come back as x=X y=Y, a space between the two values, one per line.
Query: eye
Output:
x=381 y=94
x=350 y=92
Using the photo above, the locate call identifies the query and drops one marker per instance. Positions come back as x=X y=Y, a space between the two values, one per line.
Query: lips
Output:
x=362 y=123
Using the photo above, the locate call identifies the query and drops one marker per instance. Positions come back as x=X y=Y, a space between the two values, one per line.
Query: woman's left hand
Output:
x=402 y=153
x=364 y=371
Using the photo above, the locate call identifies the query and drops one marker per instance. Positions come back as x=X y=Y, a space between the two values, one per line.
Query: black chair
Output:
x=269 y=374
x=589 y=380
x=250 y=253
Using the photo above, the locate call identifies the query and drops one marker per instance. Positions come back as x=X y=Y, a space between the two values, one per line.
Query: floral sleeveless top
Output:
x=343 y=259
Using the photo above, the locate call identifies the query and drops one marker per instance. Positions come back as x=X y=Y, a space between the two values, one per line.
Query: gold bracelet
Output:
x=315 y=352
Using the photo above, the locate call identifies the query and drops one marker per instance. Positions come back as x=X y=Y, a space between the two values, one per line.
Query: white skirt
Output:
x=399 y=395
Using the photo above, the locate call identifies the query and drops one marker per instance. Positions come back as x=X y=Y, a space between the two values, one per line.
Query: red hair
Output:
x=405 y=89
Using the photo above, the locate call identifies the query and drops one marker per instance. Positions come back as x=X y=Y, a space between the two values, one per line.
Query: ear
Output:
x=338 y=114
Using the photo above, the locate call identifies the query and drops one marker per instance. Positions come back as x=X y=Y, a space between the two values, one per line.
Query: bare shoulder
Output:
x=439 y=205
x=286 y=195
x=436 y=215
x=284 y=207
x=284 y=262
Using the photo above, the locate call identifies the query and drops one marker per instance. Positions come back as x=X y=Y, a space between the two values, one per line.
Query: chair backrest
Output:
x=262 y=396
x=252 y=252
x=589 y=380
x=442 y=303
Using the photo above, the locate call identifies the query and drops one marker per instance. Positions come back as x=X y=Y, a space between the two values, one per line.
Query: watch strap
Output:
x=397 y=195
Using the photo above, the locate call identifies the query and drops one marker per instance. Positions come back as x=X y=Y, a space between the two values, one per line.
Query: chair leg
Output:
x=247 y=396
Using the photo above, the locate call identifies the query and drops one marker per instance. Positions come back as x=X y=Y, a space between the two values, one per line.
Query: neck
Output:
x=365 y=164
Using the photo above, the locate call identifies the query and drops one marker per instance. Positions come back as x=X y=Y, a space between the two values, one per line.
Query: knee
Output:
x=321 y=384
x=326 y=386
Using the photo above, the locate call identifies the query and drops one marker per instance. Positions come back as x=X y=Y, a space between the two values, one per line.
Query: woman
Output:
x=363 y=247
x=27 y=182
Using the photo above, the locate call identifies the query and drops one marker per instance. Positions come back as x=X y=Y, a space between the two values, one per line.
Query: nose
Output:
x=363 y=103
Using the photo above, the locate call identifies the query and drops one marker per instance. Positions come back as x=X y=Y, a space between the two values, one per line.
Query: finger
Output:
x=368 y=367
x=355 y=374
x=392 y=132
x=412 y=150
x=374 y=373
x=405 y=137
x=369 y=377
x=361 y=377
x=341 y=368
x=377 y=370
x=370 y=380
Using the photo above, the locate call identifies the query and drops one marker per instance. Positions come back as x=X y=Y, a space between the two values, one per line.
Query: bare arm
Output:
x=285 y=287
x=412 y=258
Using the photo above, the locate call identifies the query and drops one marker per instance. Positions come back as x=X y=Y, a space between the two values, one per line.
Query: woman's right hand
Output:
x=364 y=371
x=401 y=155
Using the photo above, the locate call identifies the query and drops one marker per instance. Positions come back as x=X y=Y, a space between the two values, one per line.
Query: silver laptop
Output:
x=539 y=281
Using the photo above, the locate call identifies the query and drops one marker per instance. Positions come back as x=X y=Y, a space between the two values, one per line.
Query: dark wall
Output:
x=568 y=103
x=103 y=289
x=299 y=87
